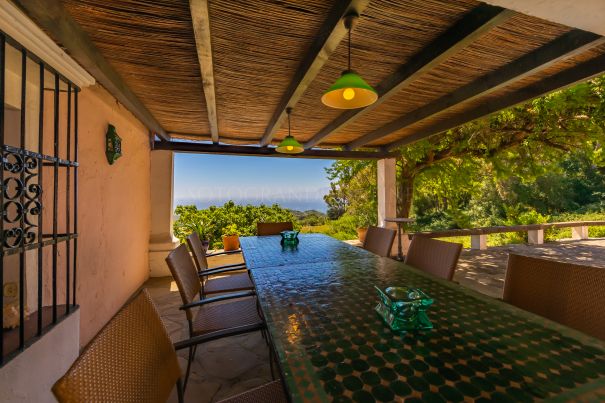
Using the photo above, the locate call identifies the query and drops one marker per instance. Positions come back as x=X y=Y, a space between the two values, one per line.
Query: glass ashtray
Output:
x=404 y=308
x=289 y=238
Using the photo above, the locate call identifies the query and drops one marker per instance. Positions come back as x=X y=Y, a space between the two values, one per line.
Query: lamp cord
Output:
x=288 y=123
x=349 y=49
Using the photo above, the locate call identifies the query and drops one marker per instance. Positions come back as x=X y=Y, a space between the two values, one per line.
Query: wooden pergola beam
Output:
x=54 y=19
x=326 y=41
x=470 y=27
x=201 y=29
x=565 y=46
x=581 y=72
x=207 y=148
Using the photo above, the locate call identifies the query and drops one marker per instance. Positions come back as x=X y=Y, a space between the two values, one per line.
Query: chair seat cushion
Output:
x=227 y=283
x=223 y=315
x=272 y=392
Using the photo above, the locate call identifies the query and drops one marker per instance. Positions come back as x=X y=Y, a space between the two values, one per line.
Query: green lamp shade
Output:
x=289 y=145
x=350 y=91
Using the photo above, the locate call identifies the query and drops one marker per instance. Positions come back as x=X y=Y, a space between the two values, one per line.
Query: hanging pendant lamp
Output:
x=350 y=91
x=289 y=145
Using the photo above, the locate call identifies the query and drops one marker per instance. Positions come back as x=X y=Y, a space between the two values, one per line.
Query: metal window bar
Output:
x=21 y=170
x=67 y=202
x=75 y=253
x=2 y=117
x=40 y=173
x=22 y=202
x=55 y=193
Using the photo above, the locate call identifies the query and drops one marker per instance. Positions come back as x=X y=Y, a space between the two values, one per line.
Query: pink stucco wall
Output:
x=114 y=211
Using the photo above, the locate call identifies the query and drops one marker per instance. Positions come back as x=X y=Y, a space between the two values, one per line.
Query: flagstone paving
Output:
x=226 y=367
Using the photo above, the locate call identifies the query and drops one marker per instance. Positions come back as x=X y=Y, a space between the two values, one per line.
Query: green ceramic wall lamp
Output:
x=113 y=145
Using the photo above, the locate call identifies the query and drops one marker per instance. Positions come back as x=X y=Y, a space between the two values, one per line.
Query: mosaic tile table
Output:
x=333 y=346
x=266 y=251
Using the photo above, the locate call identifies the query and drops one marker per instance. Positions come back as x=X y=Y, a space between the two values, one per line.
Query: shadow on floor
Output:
x=227 y=367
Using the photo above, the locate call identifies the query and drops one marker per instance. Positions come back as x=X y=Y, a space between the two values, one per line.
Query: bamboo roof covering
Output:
x=258 y=47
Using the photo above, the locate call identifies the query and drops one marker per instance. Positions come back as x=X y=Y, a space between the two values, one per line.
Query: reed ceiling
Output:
x=257 y=47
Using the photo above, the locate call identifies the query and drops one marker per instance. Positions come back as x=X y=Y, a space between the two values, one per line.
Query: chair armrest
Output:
x=217 y=299
x=229 y=252
x=234 y=331
x=220 y=270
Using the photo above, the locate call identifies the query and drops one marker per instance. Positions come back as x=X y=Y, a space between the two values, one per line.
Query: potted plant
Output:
x=230 y=237
x=204 y=234
x=363 y=222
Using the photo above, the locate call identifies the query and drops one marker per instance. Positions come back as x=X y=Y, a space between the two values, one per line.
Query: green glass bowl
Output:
x=404 y=308
x=289 y=237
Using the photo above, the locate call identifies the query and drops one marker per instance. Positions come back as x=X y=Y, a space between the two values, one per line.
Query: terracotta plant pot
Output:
x=361 y=234
x=230 y=242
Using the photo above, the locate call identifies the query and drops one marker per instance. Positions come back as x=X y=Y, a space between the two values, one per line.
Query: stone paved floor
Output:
x=484 y=270
x=226 y=367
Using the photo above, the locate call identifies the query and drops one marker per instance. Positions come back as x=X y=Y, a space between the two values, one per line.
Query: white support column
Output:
x=479 y=242
x=535 y=236
x=580 y=232
x=161 y=240
x=386 y=182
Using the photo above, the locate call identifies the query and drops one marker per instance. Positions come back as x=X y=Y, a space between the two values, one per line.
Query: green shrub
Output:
x=215 y=221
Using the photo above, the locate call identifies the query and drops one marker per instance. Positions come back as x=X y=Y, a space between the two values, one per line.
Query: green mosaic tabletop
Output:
x=333 y=346
x=266 y=251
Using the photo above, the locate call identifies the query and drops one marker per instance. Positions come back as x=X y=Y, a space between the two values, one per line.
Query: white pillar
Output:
x=386 y=182
x=580 y=232
x=535 y=236
x=161 y=240
x=479 y=242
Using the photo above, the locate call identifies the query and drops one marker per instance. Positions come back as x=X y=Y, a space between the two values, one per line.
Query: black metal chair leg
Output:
x=180 y=391
x=191 y=355
x=271 y=363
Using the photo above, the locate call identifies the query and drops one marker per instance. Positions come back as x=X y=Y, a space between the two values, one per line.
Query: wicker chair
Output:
x=210 y=317
x=438 y=258
x=379 y=240
x=133 y=360
x=272 y=228
x=566 y=293
x=221 y=279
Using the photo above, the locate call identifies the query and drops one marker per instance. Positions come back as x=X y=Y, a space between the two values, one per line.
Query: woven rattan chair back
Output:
x=567 y=293
x=272 y=228
x=186 y=277
x=197 y=250
x=379 y=240
x=438 y=258
x=131 y=360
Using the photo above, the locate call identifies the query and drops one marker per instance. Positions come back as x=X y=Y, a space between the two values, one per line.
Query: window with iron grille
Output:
x=39 y=177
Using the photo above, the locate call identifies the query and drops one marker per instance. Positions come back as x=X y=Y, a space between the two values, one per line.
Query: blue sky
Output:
x=214 y=179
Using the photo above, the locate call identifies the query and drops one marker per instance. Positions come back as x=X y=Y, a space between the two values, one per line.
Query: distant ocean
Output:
x=292 y=203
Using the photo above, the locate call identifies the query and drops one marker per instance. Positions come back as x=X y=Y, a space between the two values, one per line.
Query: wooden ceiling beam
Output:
x=51 y=16
x=326 y=41
x=470 y=27
x=567 y=45
x=201 y=29
x=581 y=72
x=224 y=149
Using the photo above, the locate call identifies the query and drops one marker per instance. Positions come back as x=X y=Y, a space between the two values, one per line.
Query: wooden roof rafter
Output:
x=581 y=72
x=201 y=30
x=54 y=19
x=327 y=40
x=568 y=45
x=257 y=151
x=471 y=26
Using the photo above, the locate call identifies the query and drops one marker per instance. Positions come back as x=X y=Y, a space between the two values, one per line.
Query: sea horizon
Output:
x=292 y=204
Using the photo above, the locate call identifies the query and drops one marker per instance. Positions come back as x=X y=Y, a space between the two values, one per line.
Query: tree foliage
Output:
x=213 y=222
x=526 y=163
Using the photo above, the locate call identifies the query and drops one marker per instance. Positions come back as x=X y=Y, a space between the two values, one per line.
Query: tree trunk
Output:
x=405 y=195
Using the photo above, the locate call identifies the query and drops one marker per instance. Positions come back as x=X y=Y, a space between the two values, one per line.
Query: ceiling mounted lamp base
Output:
x=289 y=145
x=350 y=91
